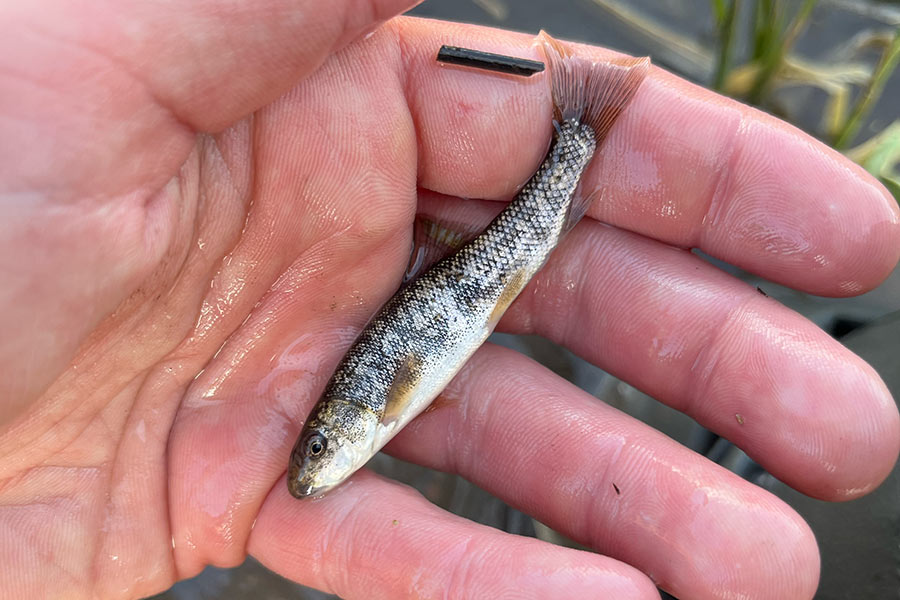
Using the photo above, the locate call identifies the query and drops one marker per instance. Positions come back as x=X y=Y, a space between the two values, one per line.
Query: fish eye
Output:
x=315 y=444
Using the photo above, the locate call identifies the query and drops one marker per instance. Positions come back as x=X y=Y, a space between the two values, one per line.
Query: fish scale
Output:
x=419 y=320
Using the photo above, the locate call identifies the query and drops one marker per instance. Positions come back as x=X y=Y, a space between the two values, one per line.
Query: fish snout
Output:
x=300 y=490
x=295 y=480
x=301 y=484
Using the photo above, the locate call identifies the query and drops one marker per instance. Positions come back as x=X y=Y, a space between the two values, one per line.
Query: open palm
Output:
x=175 y=301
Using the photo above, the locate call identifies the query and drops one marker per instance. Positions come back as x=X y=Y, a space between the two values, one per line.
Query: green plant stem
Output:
x=798 y=25
x=726 y=42
x=770 y=50
x=763 y=26
x=765 y=48
x=871 y=93
x=718 y=7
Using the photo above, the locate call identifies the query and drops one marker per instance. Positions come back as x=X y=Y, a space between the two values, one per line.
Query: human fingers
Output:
x=111 y=93
x=237 y=424
x=372 y=538
x=100 y=104
x=683 y=165
x=612 y=483
x=797 y=401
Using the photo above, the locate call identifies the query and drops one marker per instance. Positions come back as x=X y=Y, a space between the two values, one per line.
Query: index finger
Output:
x=683 y=165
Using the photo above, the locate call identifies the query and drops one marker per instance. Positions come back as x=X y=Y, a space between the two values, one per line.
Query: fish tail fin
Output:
x=591 y=91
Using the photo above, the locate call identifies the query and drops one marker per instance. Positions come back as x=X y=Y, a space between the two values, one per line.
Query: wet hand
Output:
x=174 y=301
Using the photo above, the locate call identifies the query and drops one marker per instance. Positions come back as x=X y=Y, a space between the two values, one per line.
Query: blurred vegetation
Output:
x=754 y=58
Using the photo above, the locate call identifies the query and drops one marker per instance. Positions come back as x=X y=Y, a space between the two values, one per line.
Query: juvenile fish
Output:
x=424 y=334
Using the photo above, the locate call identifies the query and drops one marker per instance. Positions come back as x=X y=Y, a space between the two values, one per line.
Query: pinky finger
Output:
x=372 y=538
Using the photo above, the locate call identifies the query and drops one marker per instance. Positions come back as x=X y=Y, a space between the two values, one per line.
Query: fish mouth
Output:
x=299 y=488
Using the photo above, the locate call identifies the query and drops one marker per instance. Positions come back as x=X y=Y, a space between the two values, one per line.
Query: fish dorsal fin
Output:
x=406 y=378
x=433 y=239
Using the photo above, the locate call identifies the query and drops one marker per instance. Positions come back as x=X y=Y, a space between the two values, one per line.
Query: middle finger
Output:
x=809 y=410
x=612 y=482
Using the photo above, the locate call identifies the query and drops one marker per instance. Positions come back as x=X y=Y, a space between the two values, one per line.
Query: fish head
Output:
x=335 y=442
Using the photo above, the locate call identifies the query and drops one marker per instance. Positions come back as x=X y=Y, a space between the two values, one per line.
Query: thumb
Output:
x=92 y=85
x=100 y=103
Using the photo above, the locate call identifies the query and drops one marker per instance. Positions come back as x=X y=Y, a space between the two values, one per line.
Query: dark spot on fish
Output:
x=333 y=305
x=760 y=290
x=615 y=487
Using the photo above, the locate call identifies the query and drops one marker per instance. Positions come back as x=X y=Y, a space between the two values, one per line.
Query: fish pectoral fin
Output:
x=514 y=286
x=403 y=387
x=435 y=238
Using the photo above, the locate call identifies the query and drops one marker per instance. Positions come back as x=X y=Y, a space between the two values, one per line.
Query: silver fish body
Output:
x=425 y=333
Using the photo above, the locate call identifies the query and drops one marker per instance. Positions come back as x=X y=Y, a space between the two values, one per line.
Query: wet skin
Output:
x=173 y=304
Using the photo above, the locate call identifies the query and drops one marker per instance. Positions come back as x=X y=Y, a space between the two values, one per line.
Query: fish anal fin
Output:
x=433 y=239
x=514 y=286
x=406 y=378
x=581 y=202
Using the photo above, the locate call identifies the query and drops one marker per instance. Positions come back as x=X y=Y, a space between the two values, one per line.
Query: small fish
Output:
x=423 y=335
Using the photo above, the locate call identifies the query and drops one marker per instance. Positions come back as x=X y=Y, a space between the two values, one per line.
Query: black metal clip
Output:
x=489 y=61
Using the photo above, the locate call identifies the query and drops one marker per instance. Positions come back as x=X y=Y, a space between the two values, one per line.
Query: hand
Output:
x=174 y=301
